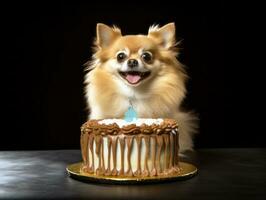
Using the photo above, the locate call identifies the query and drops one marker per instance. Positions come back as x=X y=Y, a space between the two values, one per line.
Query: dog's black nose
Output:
x=132 y=63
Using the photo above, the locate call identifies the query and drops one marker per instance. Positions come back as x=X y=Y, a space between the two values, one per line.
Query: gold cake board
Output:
x=187 y=170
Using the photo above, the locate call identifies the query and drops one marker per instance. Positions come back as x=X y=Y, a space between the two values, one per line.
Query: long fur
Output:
x=159 y=97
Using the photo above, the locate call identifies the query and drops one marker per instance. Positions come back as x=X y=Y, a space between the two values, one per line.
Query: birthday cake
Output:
x=139 y=148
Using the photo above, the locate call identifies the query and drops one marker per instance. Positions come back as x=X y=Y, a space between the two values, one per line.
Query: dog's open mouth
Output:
x=134 y=77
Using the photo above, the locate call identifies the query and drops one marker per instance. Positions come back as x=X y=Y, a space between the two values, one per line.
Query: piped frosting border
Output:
x=93 y=126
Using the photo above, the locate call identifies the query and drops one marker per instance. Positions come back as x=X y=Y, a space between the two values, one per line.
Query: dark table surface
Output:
x=223 y=174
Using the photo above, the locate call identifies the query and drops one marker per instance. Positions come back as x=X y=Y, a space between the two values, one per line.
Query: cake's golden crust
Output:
x=92 y=126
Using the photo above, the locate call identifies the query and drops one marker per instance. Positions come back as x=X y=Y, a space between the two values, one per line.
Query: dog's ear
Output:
x=164 y=36
x=106 y=35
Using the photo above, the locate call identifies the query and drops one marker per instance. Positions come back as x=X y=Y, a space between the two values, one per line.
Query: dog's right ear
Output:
x=106 y=35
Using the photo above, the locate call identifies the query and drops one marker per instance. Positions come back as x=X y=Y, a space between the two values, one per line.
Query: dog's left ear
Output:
x=164 y=36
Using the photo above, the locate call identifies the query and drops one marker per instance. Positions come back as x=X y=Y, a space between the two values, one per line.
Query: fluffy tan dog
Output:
x=141 y=70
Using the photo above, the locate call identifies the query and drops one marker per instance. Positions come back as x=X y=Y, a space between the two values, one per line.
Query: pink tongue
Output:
x=133 y=78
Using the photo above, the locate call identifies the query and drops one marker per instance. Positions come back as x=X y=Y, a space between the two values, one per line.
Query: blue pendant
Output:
x=130 y=114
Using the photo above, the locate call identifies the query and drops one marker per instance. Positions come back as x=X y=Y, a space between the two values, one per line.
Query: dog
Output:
x=142 y=71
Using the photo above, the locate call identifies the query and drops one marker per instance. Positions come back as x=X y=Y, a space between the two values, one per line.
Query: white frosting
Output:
x=138 y=122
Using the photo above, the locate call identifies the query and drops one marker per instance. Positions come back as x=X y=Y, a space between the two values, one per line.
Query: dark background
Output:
x=46 y=44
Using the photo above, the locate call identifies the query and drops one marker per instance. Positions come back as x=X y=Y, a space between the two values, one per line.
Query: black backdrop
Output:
x=47 y=43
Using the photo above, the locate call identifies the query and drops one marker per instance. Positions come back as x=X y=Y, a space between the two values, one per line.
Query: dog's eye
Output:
x=146 y=57
x=121 y=56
